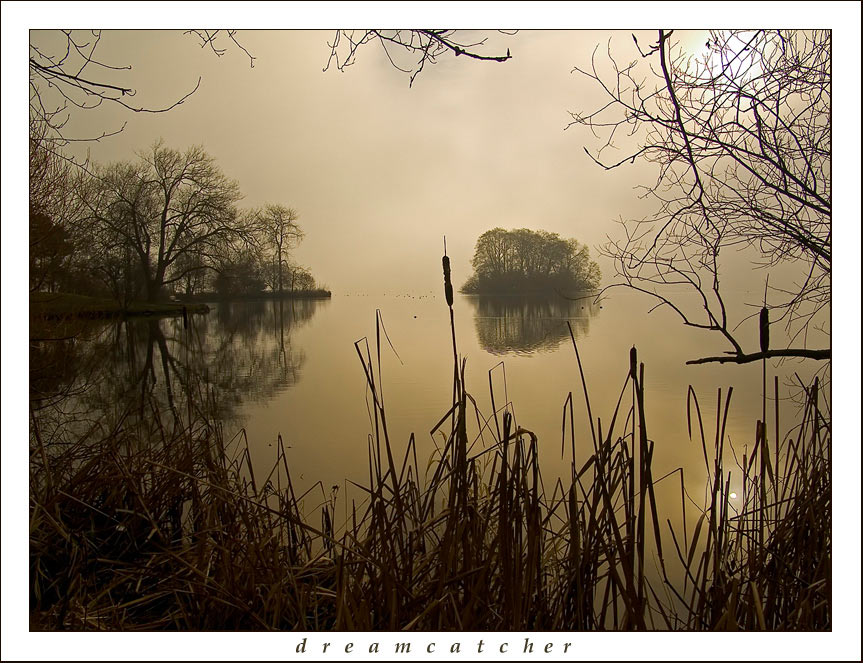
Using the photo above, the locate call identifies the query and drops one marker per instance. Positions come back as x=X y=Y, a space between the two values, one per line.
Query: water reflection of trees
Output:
x=525 y=325
x=162 y=372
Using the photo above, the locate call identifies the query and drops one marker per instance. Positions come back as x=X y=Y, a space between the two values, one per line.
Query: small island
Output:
x=530 y=262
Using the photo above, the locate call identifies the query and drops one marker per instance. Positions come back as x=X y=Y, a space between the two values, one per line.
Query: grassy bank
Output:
x=66 y=305
x=151 y=524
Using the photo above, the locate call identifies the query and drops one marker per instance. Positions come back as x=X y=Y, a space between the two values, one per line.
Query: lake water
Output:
x=291 y=368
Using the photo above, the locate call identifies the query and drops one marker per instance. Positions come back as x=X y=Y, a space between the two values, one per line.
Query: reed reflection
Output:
x=527 y=325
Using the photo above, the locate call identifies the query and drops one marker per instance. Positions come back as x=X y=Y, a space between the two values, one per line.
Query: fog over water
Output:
x=381 y=171
x=292 y=369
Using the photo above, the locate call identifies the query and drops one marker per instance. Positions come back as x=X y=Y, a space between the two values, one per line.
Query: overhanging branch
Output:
x=800 y=353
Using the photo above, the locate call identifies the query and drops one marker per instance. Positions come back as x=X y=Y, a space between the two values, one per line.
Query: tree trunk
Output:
x=154 y=286
x=280 y=274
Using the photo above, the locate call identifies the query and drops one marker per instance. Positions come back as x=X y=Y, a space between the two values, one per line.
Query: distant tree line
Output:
x=526 y=261
x=166 y=224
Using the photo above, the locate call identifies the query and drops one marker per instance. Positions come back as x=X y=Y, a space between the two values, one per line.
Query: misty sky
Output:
x=379 y=171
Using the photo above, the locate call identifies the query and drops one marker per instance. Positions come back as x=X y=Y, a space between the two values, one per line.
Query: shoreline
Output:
x=60 y=305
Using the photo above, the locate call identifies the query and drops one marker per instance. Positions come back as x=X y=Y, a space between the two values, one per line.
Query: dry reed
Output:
x=168 y=531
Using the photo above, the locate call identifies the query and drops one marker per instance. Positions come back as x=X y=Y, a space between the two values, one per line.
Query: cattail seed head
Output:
x=764 y=329
x=447 y=283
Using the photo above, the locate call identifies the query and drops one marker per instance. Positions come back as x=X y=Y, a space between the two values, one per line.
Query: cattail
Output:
x=633 y=362
x=447 y=283
x=815 y=395
x=764 y=328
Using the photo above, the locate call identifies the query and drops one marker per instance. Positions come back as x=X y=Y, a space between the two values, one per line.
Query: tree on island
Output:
x=530 y=262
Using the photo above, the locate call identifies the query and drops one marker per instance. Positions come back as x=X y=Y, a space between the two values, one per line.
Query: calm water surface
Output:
x=292 y=368
x=525 y=348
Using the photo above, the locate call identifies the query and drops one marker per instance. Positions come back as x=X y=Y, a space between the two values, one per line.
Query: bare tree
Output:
x=278 y=232
x=742 y=142
x=175 y=212
x=301 y=278
x=409 y=51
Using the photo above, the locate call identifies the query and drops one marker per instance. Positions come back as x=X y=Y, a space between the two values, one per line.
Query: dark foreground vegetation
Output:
x=155 y=523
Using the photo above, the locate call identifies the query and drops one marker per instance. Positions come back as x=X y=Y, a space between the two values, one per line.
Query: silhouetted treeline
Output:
x=530 y=261
x=165 y=224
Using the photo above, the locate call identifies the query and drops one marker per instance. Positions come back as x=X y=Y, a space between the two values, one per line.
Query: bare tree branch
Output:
x=408 y=50
x=66 y=75
x=758 y=356
x=742 y=142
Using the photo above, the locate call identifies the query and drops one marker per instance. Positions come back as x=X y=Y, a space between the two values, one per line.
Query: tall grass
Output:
x=165 y=529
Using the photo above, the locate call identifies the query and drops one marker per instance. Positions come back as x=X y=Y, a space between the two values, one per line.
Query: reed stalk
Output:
x=167 y=529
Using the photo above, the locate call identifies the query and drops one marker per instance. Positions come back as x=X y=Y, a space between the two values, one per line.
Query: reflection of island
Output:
x=525 y=325
x=161 y=369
